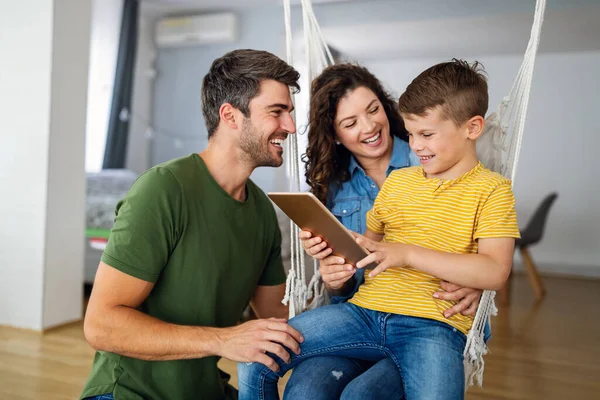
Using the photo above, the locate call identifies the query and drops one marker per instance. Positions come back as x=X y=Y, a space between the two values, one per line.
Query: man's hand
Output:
x=386 y=255
x=468 y=299
x=250 y=341
x=334 y=272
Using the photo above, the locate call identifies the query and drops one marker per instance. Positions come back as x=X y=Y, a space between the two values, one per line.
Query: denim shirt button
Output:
x=372 y=185
x=344 y=211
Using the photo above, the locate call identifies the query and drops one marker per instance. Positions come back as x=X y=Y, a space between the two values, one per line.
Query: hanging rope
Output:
x=498 y=149
x=505 y=136
x=318 y=56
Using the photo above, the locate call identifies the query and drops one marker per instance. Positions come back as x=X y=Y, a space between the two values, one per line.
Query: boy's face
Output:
x=446 y=150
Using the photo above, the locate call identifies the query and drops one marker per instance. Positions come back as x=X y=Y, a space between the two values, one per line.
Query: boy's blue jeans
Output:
x=428 y=354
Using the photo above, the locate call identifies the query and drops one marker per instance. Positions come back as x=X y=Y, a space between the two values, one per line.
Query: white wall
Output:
x=24 y=122
x=63 y=272
x=177 y=121
x=559 y=148
x=106 y=27
x=43 y=87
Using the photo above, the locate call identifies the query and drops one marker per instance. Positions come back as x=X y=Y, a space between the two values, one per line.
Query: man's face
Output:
x=440 y=144
x=270 y=121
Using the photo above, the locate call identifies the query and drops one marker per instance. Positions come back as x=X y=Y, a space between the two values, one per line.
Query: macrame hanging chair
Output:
x=498 y=148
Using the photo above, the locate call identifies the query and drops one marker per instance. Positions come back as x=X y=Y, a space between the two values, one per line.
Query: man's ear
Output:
x=230 y=116
x=475 y=127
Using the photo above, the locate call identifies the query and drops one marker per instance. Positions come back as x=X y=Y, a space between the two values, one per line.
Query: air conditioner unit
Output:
x=196 y=30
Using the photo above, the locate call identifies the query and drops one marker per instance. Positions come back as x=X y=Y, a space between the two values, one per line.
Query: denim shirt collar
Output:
x=400 y=157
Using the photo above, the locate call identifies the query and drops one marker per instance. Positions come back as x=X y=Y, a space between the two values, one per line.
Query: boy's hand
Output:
x=335 y=272
x=386 y=255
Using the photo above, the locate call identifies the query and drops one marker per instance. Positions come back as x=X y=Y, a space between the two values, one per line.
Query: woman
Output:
x=356 y=138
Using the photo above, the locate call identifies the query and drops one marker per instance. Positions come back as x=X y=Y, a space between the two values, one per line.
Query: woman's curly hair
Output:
x=325 y=161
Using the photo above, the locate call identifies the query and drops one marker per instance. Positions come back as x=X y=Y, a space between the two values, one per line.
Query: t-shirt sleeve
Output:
x=274 y=274
x=498 y=218
x=147 y=226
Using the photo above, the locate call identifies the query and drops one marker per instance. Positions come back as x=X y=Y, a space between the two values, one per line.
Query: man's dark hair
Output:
x=235 y=78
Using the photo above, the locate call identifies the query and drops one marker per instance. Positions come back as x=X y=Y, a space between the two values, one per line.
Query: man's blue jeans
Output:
x=427 y=354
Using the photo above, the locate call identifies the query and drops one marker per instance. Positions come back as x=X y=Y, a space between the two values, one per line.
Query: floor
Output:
x=547 y=350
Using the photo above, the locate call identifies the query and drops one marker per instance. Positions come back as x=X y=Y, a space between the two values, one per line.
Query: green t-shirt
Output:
x=206 y=252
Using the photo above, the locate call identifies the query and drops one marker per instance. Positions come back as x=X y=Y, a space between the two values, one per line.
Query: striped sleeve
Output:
x=498 y=218
x=375 y=215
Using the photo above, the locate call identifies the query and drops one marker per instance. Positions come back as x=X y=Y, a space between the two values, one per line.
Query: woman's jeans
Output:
x=333 y=377
x=427 y=354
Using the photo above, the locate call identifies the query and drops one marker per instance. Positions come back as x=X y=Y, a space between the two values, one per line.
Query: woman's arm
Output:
x=336 y=274
x=467 y=299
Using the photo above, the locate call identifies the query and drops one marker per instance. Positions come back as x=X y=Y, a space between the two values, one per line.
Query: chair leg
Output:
x=534 y=276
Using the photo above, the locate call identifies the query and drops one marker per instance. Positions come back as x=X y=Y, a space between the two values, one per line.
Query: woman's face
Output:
x=361 y=124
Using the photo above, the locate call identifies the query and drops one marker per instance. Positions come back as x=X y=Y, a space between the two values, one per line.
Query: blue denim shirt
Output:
x=351 y=200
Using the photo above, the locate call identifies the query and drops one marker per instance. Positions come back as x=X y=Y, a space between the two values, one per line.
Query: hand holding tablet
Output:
x=309 y=214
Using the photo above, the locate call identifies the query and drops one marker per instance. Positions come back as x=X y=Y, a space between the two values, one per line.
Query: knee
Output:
x=256 y=381
x=321 y=378
x=251 y=372
x=326 y=386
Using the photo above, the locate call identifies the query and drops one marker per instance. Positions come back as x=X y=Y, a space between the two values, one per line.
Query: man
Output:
x=194 y=241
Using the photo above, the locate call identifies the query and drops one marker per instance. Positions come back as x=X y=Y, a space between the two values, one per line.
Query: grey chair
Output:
x=531 y=235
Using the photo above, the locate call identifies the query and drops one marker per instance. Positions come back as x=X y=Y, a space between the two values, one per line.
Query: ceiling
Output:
x=497 y=28
x=237 y=4
x=573 y=29
x=215 y=4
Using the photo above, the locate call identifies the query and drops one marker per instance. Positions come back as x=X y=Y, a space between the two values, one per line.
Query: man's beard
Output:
x=256 y=151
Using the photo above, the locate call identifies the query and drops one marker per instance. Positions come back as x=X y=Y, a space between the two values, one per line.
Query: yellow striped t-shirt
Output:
x=441 y=215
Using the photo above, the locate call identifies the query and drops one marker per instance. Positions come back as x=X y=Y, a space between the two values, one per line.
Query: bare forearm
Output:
x=129 y=332
x=266 y=302
x=476 y=271
x=280 y=311
x=277 y=310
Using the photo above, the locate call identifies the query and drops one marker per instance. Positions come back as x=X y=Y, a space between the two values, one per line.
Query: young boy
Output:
x=449 y=219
